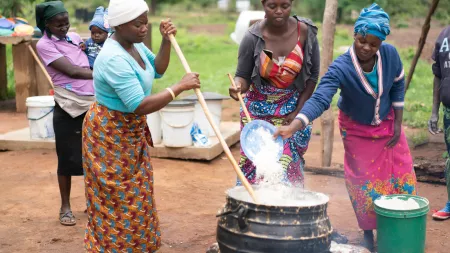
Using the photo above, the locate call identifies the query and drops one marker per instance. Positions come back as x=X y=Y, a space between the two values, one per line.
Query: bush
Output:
x=401 y=24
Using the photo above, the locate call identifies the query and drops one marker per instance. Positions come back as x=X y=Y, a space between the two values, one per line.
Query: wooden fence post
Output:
x=327 y=119
x=24 y=74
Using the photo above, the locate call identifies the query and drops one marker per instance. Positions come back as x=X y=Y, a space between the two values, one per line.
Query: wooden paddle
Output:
x=38 y=61
x=244 y=108
x=202 y=102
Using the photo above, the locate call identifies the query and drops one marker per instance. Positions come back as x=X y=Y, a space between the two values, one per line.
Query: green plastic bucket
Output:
x=402 y=231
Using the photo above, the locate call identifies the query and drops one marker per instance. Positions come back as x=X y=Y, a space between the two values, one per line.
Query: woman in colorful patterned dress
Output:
x=371 y=78
x=277 y=71
x=116 y=140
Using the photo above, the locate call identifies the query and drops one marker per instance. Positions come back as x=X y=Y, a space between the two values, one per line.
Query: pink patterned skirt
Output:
x=372 y=169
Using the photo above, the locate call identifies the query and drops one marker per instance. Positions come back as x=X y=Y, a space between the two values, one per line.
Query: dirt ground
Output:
x=214 y=29
x=188 y=195
x=9 y=119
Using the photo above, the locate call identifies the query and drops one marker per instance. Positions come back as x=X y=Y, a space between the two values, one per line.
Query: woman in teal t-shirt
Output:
x=116 y=139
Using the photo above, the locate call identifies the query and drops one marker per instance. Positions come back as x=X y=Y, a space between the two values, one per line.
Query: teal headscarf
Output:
x=373 y=20
x=46 y=11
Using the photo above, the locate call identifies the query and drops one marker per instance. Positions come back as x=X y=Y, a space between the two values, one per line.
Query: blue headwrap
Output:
x=373 y=20
x=100 y=19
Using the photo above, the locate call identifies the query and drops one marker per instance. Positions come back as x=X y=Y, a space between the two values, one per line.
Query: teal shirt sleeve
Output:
x=151 y=57
x=119 y=74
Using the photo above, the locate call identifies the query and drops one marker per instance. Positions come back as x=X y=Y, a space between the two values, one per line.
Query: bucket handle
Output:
x=241 y=211
x=177 y=126
x=41 y=116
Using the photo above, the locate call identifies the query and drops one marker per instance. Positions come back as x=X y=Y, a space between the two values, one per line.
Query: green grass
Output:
x=419 y=138
x=11 y=93
x=210 y=56
x=419 y=97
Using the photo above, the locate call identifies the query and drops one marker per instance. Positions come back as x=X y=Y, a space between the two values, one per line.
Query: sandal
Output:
x=63 y=217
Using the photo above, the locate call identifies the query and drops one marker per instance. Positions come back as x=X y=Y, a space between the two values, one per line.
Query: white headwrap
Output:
x=124 y=11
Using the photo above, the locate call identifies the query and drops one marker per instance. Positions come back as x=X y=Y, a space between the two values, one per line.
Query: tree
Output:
x=256 y=4
x=422 y=41
x=153 y=7
x=13 y=8
x=327 y=119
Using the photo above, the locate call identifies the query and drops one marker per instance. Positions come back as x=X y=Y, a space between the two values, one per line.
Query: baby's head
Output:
x=99 y=25
x=98 y=35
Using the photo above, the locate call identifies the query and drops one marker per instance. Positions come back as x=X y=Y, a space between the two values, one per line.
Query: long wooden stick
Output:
x=202 y=101
x=422 y=41
x=244 y=108
x=36 y=58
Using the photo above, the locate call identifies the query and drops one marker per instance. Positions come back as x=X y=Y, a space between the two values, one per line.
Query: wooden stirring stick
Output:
x=201 y=99
x=244 y=108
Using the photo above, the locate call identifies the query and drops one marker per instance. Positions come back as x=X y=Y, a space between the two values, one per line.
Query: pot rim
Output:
x=325 y=201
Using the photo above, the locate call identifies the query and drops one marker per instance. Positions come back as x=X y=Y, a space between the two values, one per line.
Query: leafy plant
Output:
x=13 y=8
x=419 y=138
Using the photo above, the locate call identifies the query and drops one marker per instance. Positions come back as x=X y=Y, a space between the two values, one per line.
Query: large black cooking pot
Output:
x=245 y=227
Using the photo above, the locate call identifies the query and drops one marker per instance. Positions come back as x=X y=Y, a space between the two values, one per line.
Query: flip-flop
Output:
x=62 y=216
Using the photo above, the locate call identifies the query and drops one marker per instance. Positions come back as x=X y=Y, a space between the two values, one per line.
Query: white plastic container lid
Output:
x=40 y=101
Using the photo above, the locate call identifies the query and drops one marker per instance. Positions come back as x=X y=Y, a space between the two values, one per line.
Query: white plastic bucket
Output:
x=243 y=23
x=154 y=123
x=177 y=119
x=242 y=5
x=215 y=107
x=40 y=117
x=214 y=104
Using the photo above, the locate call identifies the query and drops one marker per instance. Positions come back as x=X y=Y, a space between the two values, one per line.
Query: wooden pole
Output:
x=327 y=119
x=244 y=108
x=24 y=75
x=422 y=41
x=202 y=102
x=153 y=5
x=148 y=40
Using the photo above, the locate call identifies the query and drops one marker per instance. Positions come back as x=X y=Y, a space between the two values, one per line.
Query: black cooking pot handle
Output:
x=241 y=212
x=228 y=212
x=242 y=222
